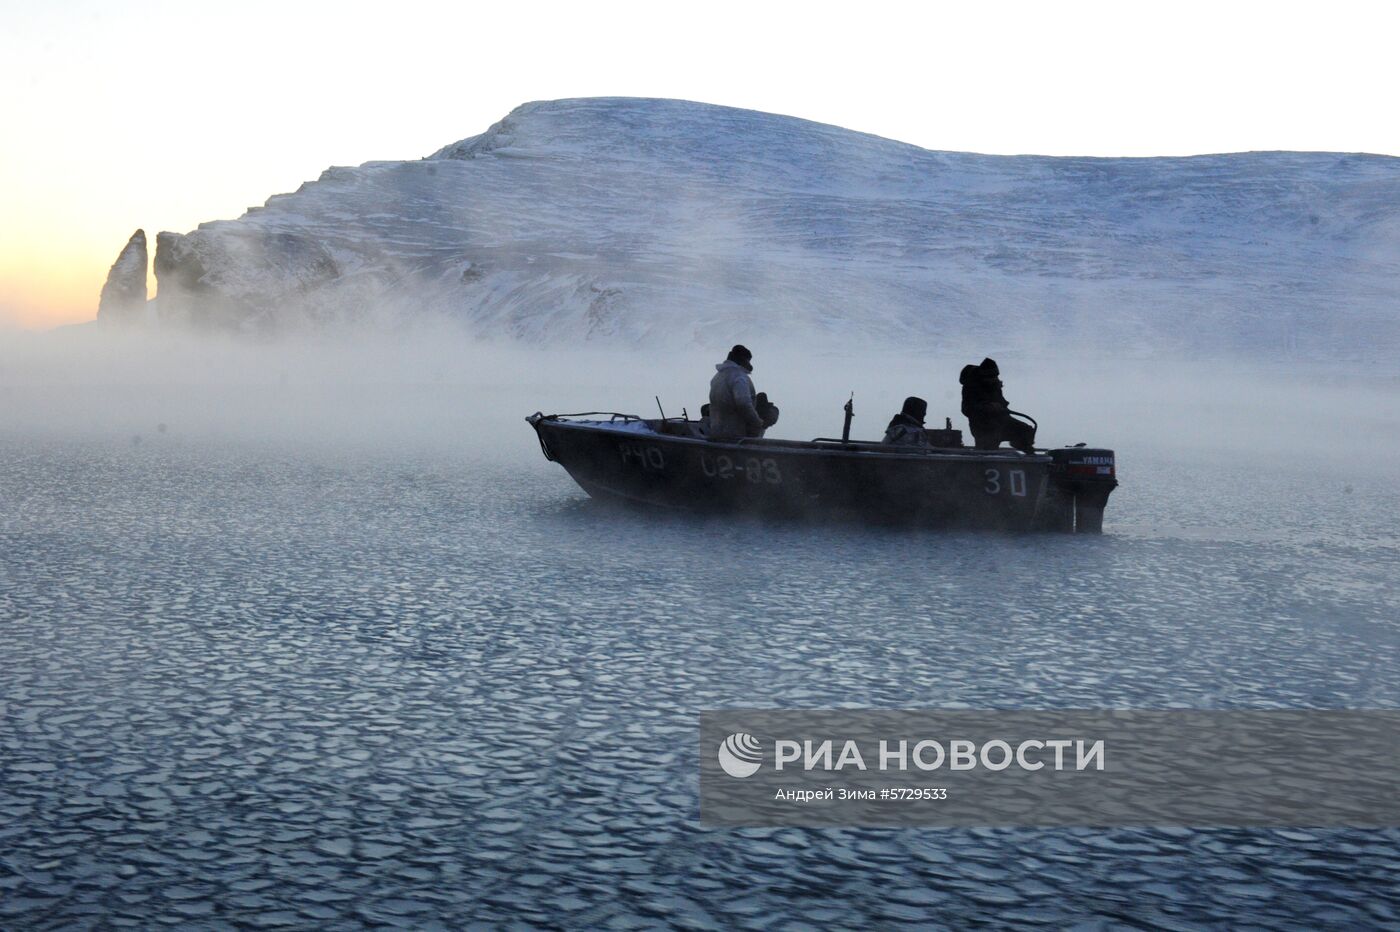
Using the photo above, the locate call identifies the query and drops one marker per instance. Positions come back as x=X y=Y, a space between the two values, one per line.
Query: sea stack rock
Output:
x=124 y=294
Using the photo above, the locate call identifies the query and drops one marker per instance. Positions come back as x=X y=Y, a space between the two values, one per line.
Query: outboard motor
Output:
x=1082 y=477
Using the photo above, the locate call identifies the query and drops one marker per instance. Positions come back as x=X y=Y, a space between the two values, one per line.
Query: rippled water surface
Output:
x=299 y=688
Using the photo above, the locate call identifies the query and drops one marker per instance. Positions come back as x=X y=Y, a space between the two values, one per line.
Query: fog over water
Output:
x=433 y=388
x=309 y=632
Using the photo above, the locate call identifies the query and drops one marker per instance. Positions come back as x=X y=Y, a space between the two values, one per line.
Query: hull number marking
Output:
x=750 y=468
x=1016 y=482
x=644 y=455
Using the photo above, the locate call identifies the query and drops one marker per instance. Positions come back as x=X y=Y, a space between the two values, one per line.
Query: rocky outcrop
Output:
x=267 y=267
x=124 y=294
x=177 y=268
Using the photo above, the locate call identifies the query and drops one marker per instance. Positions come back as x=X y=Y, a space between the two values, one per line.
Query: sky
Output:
x=162 y=115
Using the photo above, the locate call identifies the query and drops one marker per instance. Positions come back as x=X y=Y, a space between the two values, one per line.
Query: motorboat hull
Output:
x=655 y=462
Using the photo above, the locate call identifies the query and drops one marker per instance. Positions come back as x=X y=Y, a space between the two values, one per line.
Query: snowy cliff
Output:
x=654 y=220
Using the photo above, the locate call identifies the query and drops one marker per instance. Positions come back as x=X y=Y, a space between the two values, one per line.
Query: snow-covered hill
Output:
x=640 y=220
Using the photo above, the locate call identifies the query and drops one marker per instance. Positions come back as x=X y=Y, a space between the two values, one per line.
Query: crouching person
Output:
x=907 y=427
x=987 y=412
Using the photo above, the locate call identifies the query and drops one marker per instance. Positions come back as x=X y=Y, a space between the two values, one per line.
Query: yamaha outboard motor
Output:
x=1082 y=477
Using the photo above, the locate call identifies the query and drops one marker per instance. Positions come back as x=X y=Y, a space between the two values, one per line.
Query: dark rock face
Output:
x=183 y=291
x=124 y=294
x=177 y=266
x=192 y=290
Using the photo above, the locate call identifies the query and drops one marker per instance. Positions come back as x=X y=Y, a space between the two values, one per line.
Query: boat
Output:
x=669 y=462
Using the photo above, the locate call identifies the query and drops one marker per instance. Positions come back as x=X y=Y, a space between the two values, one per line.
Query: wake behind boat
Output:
x=669 y=462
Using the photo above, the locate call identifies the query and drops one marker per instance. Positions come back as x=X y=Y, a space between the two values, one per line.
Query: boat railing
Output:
x=611 y=415
x=866 y=446
x=875 y=446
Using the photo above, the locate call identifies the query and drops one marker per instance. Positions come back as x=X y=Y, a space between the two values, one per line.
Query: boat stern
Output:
x=1081 y=479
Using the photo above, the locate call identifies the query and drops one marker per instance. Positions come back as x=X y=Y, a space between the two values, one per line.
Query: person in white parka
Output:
x=733 y=411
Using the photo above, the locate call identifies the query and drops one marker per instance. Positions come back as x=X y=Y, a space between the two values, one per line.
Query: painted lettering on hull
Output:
x=753 y=469
x=1015 y=482
x=644 y=455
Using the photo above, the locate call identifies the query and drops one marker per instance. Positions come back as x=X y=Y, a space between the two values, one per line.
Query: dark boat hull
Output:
x=646 y=462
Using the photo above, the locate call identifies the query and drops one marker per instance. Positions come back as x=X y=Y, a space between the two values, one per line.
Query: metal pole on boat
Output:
x=658 y=406
x=850 y=413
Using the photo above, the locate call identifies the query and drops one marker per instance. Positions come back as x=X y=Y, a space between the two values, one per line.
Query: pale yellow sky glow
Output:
x=165 y=114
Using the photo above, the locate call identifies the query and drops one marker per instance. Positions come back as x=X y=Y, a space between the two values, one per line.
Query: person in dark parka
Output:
x=907 y=427
x=987 y=411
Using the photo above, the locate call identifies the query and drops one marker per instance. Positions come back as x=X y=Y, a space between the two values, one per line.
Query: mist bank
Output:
x=438 y=390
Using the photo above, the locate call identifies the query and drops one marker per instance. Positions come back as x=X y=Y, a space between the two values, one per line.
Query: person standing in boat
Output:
x=733 y=411
x=907 y=427
x=987 y=411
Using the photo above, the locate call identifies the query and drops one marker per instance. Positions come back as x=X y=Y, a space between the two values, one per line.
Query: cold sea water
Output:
x=282 y=685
